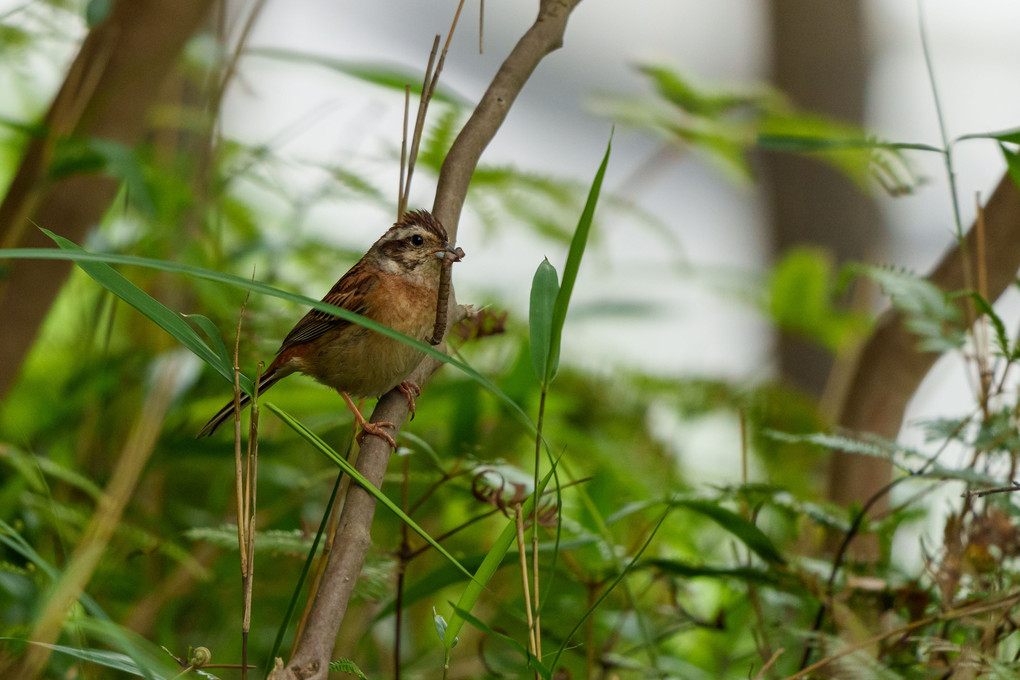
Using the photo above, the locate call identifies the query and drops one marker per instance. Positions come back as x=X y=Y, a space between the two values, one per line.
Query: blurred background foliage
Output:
x=735 y=572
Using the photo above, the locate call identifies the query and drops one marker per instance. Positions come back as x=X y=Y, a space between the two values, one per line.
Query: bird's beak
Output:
x=450 y=254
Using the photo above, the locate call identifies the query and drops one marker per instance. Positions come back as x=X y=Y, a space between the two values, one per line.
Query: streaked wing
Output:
x=350 y=293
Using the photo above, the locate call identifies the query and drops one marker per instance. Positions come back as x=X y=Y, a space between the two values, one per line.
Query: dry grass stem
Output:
x=519 y=519
x=401 y=196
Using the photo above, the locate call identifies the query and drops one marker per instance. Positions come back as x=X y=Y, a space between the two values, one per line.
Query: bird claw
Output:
x=410 y=389
x=377 y=429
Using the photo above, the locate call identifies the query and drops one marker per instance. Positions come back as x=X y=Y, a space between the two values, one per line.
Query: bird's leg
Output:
x=378 y=429
x=410 y=390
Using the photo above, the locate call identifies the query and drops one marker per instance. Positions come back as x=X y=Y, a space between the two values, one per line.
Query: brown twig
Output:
x=981 y=493
x=312 y=653
x=760 y=675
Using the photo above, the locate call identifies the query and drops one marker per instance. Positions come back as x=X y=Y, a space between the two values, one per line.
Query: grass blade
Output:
x=360 y=480
x=545 y=287
x=577 y=246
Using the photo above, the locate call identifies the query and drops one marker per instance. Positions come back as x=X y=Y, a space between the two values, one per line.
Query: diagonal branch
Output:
x=890 y=367
x=353 y=538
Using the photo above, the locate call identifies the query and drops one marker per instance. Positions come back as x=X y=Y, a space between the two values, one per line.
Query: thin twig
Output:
x=988 y=492
x=768 y=664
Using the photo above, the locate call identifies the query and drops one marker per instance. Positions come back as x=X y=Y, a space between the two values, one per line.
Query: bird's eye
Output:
x=417 y=240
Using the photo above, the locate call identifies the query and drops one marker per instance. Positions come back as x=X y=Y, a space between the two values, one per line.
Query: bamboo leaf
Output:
x=544 y=289
x=1012 y=163
x=577 y=246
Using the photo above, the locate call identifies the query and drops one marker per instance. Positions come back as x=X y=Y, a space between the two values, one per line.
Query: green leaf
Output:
x=360 y=480
x=346 y=666
x=440 y=623
x=1001 y=336
x=533 y=663
x=162 y=316
x=612 y=586
x=1012 y=163
x=681 y=93
x=544 y=289
x=747 y=532
x=928 y=310
x=213 y=334
x=801 y=292
x=864 y=445
x=1012 y=136
x=96 y=12
x=100 y=657
x=78 y=155
x=686 y=570
x=577 y=246
x=383 y=75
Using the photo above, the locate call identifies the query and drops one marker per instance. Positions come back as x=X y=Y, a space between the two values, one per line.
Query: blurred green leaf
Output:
x=96 y=12
x=390 y=76
x=78 y=156
x=100 y=657
x=1001 y=336
x=544 y=289
x=1012 y=136
x=747 y=532
x=801 y=294
x=928 y=311
x=162 y=316
x=686 y=570
x=1012 y=163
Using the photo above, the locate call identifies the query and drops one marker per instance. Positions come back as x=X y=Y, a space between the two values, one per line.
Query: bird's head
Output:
x=415 y=247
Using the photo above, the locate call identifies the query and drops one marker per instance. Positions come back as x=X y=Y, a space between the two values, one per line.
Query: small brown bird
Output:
x=396 y=283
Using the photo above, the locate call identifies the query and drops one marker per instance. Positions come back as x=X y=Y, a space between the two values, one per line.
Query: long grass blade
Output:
x=360 y=480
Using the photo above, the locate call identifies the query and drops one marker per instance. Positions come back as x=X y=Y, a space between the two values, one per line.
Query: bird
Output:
x=395 y=283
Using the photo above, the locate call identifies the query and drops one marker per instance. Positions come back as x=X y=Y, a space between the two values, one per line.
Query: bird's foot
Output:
x=410 y=389
x=377 y=429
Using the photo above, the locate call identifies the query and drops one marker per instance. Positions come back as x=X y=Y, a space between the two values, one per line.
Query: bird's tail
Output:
x=267 y=381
